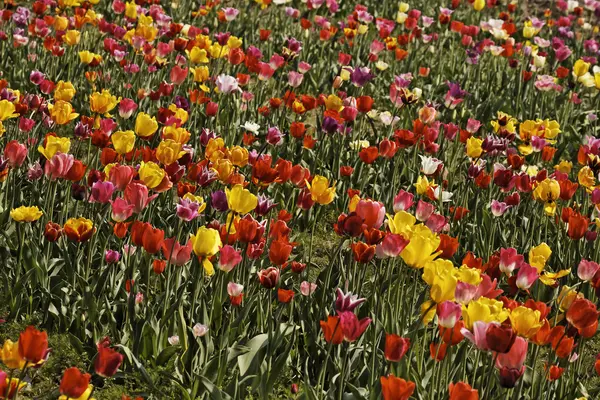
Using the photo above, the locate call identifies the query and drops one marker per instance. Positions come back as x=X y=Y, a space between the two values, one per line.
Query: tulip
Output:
x=102 y=192
x=53 y=145
x=347 y=301
x=395 y=347
x=372 y=213
x=9 y=354
x=424 y=211
x=499 y=338
x=187 y=210
x=285 y=296
x=509 y=260
x=511 y=364
x=393 y=388
x=279 y=252
x=582 y=313
x=151 y=174
x=240 y=200
x=136 y=194
x=525 y=321
x=587 y=269
x=33 y=345
x=26 y=214
x=307 y=288
x=121 y=209
x=121 y=176
x=498 y=208
x=108 y=360
x=448 y=313
x=462 y=391
x=58 y=166
x=74 y=383
x=199 y=330
x=229 y=258
x=78 y=229
x=102 y=103
x=332 y=330
x=391 y=246
x=15 y=153
x=351 y=326
x=112 y=256
x=152 y=239
x=526 y=276
x=175 y=252
x=269 y=278
x=52 y=231
x=206 y=243
x=320 y=191
x=145 y=125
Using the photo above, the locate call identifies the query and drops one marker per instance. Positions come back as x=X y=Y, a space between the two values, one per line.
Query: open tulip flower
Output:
x=299 y=199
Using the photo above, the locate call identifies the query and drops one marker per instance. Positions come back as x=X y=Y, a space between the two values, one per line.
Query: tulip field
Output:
x=299 y=199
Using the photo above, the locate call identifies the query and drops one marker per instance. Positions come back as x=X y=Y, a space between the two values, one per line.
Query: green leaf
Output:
x=255 y=344
x=165 y=355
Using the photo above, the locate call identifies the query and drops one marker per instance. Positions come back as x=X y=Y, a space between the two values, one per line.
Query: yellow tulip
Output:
x=180 y=135
x=402 y=223
x=201 y=74
x=64 y=91
x=238 y=156
x=548 y=190
x=206 y=243
x=586 y=177
x=580 y=68
x=169 y=151
x=333 y=102
x=131 y=10
x=539 y=255
x=102 y=103
x=123 y=141
x=566 y=297
x=320 y=191
x=145 y=125
x=241 y=200
x=7 y=110
x=479 y=5
x=151 y=174
x=55 y=144
x=62 y=112
x=198 y=56
x=72 y=37
x=483 y=309
x=26 y=214
x=525 y=321
x=9 y=354
x=422 y=247
x=474 y=148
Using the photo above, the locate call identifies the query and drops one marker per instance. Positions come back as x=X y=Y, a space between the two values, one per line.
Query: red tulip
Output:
x=269 y=277
x=393 y=388
x=462 y=391
x=108 y=360
x=74 y=383
x=395 y=347
x=33 y=345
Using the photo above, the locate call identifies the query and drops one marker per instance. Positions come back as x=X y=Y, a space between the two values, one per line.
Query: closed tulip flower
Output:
x=107 y=360
x=462 y=391
x=33 y=345
x=123 y=141
x=145 y=125
x=206 y=243
x=151 y=174
x=525 y=321
x=74 y=383
x=395 y=347
x=269 y=278
x=320 y=191
x=393 y=388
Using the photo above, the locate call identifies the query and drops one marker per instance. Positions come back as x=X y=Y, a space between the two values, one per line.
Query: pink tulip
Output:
x=178 y=75
x=127 y=107
x=121 y=209
x=137 y=194
x=587 y=269
x=58 y=166
x=227 y=84
x=351 y=327
x=230 y=13
x=234 y=289
x=448 y=313
x=307 y=288
x=15 y=153
x=229 y=258
x=403 y=201
x=498 y=208
x=473 y=126
x=187 y=210
x=478 y=336
x=391 y=246
x=175 y=252
x=102 y=192
x=515 y=357
x=372 y=212
x=509 y=260
x=436 y=222
x=121 y=176
x=112 y=256
x=464 y=292
x=347 y=301
x=424 y=210
x=526 y=276
x=295 y=79
x=266 y=71
x=487 y=288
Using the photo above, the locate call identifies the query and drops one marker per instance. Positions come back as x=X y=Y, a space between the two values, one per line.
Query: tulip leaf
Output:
x=255 y=344
x=165 y=355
